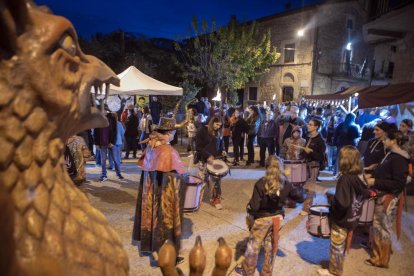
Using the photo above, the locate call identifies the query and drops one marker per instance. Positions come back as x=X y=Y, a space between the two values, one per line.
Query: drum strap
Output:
x=276 y=227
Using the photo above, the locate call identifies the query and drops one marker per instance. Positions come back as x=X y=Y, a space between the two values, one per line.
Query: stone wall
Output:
x=325 y=24
x=283 y=29
x=332 y=38
x=404 y=60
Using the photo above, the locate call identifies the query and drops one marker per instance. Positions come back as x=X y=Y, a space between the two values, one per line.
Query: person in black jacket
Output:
x=266 y=204
x=375 y=150
x=314 y=154
x=346 y=206
x=238 y=127
x=389 y=179
x=105 y=138
x=253 y=121
x=131 y=132
x=209 y=146
x=266 y=136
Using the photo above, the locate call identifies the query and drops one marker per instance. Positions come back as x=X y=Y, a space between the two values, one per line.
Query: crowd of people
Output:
x=370 y=158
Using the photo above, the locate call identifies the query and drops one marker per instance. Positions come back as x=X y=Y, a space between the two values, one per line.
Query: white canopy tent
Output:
x=134 y=82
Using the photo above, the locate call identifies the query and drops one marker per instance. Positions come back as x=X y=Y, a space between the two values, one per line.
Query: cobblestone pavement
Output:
x=299 y=253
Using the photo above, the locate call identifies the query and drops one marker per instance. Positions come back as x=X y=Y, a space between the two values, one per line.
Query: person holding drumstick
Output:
x=389 y=179
x=314 y=154
x=346 y=206
x=265 y=215
x=210 y=146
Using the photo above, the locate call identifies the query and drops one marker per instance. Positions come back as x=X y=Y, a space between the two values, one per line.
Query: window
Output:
x=390 y=70
x=252 y=93
x=287 y=94
x=290 y=52
x=350 y=22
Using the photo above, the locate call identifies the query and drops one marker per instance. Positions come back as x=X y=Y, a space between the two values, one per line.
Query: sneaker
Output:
x=303 y=213
x=120 y=177
x=110 y=168
x=239 y=271
x=365 y=245
x=216 y=202
x=218 y=206
x=179 y=260
x=103 y=178
x=324 y=272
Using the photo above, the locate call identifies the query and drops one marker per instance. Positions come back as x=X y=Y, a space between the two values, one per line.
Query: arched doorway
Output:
x=287 y=94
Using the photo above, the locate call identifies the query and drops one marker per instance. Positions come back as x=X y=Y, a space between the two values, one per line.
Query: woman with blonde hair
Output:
x=346 y=206
x=266 y=205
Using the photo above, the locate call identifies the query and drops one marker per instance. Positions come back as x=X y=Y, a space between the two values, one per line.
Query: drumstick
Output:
x=238 y=262
x=297 y=146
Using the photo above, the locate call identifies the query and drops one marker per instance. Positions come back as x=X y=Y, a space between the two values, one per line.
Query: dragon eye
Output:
x=68 y=44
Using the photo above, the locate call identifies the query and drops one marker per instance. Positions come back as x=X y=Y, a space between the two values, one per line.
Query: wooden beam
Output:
x=379 y=32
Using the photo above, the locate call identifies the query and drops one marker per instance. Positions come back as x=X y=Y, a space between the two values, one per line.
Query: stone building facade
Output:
x=331 y=54
x=390 y=31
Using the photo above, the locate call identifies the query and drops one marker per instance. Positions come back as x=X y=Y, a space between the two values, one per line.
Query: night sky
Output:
x=160 y=18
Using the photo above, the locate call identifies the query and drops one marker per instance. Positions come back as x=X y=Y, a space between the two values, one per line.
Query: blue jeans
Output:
x=114 y=155
x=98 y=157
x=266 y=143
x=104 y=152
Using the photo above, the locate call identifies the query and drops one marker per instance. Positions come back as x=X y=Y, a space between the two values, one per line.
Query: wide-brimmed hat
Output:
x=166 y=124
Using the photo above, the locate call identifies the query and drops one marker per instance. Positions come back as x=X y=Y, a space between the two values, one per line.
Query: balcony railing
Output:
x=351 y=70
x=381 y=7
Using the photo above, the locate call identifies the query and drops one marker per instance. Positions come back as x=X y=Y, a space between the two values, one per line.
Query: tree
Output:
x=226 y=57
x=190 y=91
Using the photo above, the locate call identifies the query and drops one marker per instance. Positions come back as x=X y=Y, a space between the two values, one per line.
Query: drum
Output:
x=318 y=221
x=367 y=214
x=295 y=171
x=218 y=168
x=193 y=194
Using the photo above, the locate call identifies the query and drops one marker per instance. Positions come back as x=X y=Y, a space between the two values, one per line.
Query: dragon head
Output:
x=39 y=52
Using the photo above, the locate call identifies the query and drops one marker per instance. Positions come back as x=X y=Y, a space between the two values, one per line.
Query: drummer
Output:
x=265 y=208
x=346 y=206
x=314 y=154
x=210 y=146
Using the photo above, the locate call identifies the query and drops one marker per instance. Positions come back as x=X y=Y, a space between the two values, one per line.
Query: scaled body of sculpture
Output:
x=45 y=98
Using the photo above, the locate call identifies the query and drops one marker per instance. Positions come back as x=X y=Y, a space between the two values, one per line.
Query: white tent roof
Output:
x=134 y=82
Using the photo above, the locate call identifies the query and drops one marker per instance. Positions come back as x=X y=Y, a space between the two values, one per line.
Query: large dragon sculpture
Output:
x=45 y=84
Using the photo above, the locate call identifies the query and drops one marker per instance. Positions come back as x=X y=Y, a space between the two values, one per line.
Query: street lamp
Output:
x=301 y=32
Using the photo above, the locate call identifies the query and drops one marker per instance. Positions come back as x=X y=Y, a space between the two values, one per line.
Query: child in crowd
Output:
x=292 y=148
